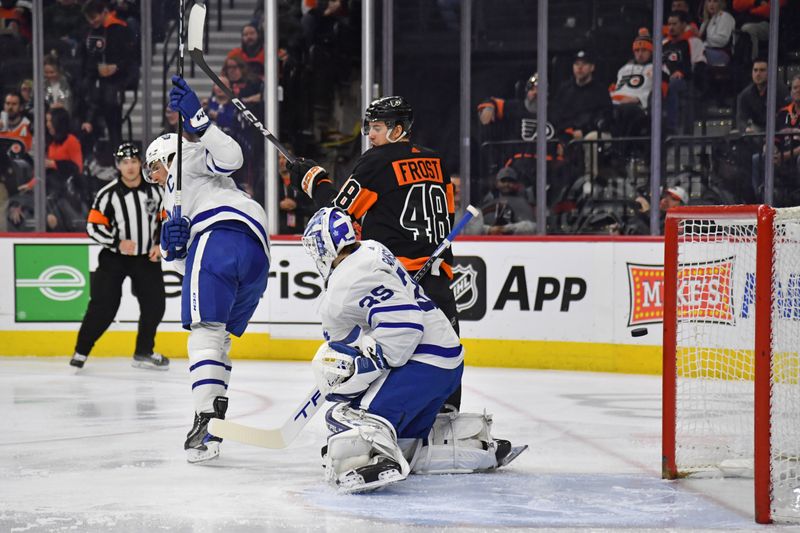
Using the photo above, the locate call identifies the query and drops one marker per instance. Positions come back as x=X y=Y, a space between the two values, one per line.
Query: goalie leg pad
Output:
x=209 y=364
x=362 y=453
x=458 y=443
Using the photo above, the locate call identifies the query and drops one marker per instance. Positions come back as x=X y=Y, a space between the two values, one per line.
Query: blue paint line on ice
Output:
x=510 y=499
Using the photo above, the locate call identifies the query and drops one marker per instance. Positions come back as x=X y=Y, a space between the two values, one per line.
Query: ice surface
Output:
x=102 y=450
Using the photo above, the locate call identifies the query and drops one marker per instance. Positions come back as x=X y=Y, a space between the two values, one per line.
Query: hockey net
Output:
x=731 y=389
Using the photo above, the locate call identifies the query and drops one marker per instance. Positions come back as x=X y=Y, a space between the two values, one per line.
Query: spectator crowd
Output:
x=714 y=78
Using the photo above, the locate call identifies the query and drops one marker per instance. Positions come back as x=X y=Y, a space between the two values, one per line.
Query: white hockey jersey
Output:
x=370 y=292
x=208 y=193
x=634 y=80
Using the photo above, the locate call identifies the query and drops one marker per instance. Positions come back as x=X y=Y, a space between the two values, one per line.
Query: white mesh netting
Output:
x=715 y=351
x=785 y=393
x=714 y=343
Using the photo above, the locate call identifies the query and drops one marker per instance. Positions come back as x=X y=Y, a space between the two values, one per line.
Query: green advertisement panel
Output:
x=51 y=282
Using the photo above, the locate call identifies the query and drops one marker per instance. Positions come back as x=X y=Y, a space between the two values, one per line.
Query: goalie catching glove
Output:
x=343 y=372
x=307 y=174
x=183 y=99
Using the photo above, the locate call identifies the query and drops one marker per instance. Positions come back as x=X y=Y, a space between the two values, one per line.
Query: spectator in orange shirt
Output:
x=251 y=51
x=753 y=15
x=64 y=153
x=64 y=163
x=13 y=124
x=15 y=20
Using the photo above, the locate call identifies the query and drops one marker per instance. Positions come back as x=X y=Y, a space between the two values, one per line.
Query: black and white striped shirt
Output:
x=120 y=213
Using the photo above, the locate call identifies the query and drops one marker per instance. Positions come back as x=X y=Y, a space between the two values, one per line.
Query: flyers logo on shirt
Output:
x=418 y=169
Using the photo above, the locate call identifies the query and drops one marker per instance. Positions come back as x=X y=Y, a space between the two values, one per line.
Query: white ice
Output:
x=102 y=450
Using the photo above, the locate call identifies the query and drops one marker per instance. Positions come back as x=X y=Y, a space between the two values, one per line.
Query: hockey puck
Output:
x=639 y=332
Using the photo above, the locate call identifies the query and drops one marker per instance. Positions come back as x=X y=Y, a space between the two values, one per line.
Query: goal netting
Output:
x=732 y=350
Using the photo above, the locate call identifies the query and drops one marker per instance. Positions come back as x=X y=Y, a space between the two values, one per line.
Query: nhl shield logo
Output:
x=464 y=287
x=469 y=287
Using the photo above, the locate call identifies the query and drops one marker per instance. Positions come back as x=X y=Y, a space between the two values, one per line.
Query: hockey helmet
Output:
x=532 y=82
x=127 y=150
x=393 y=110
x=326 y=234
x=161 y=149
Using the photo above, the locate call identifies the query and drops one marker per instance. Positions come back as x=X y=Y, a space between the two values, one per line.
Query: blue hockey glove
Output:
x=366 y=369
x=174 y=237
x=182 y=98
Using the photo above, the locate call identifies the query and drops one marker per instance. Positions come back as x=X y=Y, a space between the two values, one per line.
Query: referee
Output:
x=125 y=219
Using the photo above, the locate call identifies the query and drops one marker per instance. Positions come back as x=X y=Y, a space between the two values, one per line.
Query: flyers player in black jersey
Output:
x=400 y=194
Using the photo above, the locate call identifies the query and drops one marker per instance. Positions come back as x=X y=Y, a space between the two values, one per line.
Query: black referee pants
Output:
x=437 y=288
x=106 y=293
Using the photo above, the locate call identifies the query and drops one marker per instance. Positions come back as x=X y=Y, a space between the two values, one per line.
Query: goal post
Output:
x=731 y=350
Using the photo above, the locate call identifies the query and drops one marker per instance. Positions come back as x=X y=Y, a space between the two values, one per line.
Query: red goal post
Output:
x=731 y=350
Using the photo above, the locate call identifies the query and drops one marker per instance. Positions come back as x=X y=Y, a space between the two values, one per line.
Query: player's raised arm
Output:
x=223 y=154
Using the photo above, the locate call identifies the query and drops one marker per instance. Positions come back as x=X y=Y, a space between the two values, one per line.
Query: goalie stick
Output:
x=197 y=20
x=277 y=438
x=270 y=438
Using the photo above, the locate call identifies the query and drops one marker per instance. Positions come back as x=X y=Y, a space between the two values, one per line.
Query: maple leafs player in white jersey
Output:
x=219 y=243
x=391 y=360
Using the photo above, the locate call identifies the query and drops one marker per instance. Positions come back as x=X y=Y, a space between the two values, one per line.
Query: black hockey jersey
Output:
x=402 y=197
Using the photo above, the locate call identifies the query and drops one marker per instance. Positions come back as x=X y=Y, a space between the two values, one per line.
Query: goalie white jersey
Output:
x=371 y=289
x=208 y=193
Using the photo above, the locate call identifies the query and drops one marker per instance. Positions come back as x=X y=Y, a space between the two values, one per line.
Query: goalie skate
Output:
x=370 y=477
x=507 y=453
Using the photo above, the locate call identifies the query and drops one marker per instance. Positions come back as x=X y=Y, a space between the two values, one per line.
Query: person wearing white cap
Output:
x=673 y=196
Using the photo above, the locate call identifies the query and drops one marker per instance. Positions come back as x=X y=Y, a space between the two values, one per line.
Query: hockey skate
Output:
x=381 y=472
x=153 y=361
x=506 y=453
x=200 y=445
x=78 y=360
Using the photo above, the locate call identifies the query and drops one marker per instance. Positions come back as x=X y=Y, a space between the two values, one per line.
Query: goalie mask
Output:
x=160 y=150
x=392 y=110
x=326 y=234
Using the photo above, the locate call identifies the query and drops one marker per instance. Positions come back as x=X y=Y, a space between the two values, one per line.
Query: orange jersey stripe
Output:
x=451 y=198
x=412 y=265
x=363 y=201
x=96 y=217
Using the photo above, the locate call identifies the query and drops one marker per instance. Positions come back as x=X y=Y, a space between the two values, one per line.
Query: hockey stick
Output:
x=270 y=438
x=197 y=19
x=179 y=169
x=445 y=244
x=281 y=437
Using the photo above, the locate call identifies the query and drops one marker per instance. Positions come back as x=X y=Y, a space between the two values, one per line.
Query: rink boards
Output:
x=561 y=303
